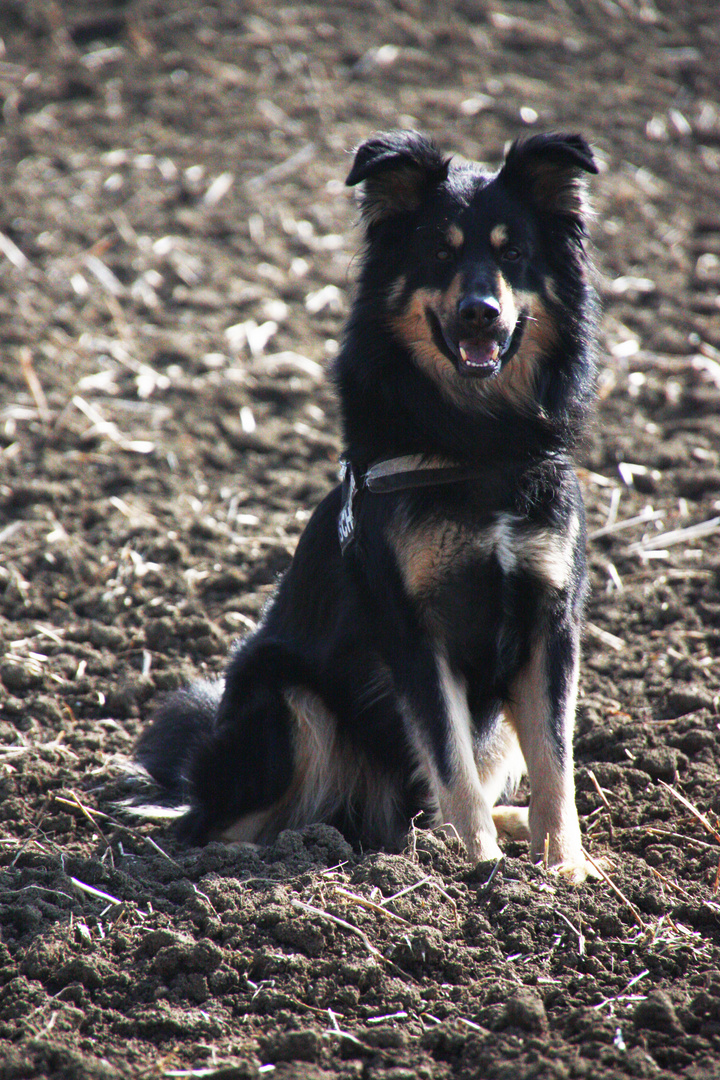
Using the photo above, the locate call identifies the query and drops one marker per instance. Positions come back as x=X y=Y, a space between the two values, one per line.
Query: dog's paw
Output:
x=483 y=849
x=481 y=845
x=580 y=868
x=511 y=822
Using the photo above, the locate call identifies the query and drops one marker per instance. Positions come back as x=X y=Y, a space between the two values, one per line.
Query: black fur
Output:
x=470 y=341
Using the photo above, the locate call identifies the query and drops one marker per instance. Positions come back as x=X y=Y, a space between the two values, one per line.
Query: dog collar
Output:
x=393 y=474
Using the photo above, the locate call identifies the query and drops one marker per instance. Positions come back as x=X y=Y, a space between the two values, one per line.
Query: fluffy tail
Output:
x=181 y=725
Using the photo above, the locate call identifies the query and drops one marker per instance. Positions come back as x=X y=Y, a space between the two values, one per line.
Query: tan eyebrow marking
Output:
x=455 y=236
x=499 y=236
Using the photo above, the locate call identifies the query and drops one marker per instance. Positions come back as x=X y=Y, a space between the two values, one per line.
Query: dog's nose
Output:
x=478 y=311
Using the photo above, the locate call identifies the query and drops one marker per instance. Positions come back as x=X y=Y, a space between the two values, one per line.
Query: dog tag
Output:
x=346 y=518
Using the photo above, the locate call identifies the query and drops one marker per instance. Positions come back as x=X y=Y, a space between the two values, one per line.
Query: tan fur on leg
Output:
x=552 y=811
x=462 y=801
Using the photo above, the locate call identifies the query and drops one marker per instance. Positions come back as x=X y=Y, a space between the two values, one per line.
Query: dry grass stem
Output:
x=615 y=497
x=445 y=827
x=624 y=999
x=636 y=979
x=75 y=801
x=24 y=845
x=283 y=170
x=48 y=631
x=92 y=891
x=675 y=537
x=708 y=363
x=304 y=1005
x=411 y=888
x=612 y=572
x=678 y=836
x=337 y=1030
x=493 y=872
x=104 y=275
x=411 y=849
x=333 y=1020
x=310 y=909
x=628 y=523
x=290 y=360
x=621 y=896
x=670 y=884
x=54 y=746
x=8 y=753
x=667 y=934
x=121 y=825
x=13 y=253
x=471 y=1024
x=34 y=385
x=578 y=933
x=101 y=426
x=597 y=478
x=399 y=1015
x=601 y=793
x=362 y=902
x=605 y=637
x=209 y=1071
x=693 y=809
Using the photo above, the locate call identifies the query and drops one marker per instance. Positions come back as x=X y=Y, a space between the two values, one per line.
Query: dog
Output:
x=422 y=649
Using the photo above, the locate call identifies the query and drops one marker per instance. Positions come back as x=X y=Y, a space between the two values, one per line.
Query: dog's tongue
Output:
x=479 y=356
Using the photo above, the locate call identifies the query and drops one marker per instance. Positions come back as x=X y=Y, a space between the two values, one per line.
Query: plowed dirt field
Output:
x=176 y=260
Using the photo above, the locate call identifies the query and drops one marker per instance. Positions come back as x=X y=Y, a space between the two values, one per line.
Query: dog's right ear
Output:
x=398 y=169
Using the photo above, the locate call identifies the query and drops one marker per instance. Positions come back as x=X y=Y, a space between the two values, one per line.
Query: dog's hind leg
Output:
x=244 y=765
x=242 y=769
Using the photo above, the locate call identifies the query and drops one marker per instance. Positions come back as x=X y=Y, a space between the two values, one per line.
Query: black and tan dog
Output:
x=422 y=649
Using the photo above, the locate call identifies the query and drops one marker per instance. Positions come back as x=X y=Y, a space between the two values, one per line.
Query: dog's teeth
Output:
x=463 y=355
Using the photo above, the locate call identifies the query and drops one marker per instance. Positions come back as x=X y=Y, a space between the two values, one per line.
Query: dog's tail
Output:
x=182 y=723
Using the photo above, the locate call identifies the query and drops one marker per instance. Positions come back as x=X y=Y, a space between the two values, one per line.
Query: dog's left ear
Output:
x=398 y=168
x=550 y=170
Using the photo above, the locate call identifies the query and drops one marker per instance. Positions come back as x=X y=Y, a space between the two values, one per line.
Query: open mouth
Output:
x=480 y=357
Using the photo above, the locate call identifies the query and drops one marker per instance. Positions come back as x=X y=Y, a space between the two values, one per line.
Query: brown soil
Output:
x=170 y=172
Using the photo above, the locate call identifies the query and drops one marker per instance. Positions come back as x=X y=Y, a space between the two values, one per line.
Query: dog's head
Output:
x=470 y=269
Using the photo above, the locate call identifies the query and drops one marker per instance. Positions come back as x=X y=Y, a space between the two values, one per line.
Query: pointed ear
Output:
x=550 y=170
x=398 y=169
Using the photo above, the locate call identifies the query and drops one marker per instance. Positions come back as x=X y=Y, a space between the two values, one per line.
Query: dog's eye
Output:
x=511 y=254
x=442 y=254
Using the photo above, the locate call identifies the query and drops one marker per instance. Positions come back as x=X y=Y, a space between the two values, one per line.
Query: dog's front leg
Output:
x=442 y=738
x=434 y=706
x=541 y=707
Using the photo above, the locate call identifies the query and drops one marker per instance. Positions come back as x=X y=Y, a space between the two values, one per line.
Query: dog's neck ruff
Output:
x=394 y=474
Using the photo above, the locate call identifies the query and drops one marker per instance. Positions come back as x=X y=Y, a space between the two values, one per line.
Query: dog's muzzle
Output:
x=478 y=342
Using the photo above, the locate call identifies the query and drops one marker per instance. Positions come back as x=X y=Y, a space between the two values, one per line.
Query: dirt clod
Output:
x=293 y=1046
x=525 y=1011
x=657 y=1013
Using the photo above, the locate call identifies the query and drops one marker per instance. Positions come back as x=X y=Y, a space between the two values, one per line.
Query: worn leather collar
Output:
x=394 y=474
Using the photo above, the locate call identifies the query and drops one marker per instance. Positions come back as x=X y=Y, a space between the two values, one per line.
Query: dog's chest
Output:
x=438 y=556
